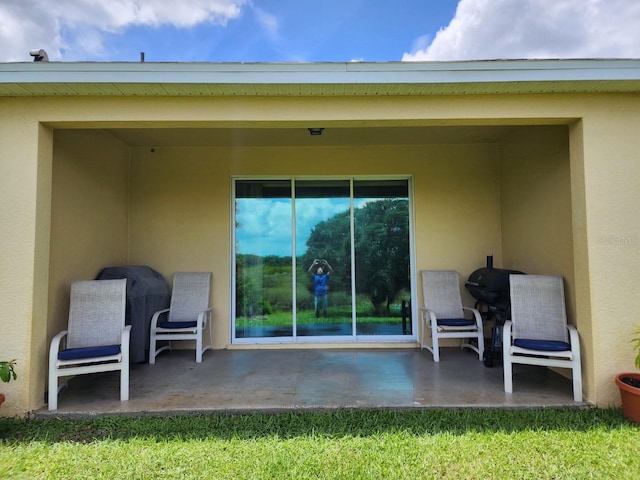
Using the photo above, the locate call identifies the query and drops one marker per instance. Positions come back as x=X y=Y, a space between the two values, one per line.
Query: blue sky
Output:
x=325 y=30
x=294 y=31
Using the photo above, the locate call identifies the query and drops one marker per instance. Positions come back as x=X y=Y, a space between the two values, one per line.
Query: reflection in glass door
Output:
x=381 y=238
x=351 y=269
x=263 y=259
x=323 y=251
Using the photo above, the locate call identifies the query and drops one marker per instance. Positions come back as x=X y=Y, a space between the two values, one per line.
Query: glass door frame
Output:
x=326 y=339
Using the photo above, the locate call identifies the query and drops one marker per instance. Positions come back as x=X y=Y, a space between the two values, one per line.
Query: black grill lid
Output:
x=491 y=286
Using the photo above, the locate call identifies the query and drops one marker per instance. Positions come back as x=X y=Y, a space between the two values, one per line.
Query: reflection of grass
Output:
x=308 y=317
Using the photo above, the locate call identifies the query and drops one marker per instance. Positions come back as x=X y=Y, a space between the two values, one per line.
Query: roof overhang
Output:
x=320 y=79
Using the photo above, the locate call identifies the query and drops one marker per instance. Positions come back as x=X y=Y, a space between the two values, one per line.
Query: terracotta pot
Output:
x=630 y=397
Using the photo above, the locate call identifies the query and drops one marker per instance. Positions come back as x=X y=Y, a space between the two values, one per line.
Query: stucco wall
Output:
x=180 y=204
x=604 y=150
x=609 y=205
x=89 y=214
x=537 y=226
x=25 y=192
x=536 y=201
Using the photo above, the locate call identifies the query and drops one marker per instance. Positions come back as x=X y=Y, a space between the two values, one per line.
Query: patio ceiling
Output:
x=299 y=136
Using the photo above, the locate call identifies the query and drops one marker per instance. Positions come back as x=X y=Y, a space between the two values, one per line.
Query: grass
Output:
x=441 y=443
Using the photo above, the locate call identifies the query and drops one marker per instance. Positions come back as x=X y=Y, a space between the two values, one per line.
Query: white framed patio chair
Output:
x=188 y=316
x=538 y=333
x=444 y=316
x=96 y=338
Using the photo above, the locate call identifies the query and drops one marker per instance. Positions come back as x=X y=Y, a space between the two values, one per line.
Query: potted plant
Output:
x=7 y=373
x=629 y=385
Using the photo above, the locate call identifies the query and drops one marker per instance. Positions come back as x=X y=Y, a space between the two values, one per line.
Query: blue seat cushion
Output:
x=456 y=322
x=191 y=324
x=544 y=345
x=88 y=352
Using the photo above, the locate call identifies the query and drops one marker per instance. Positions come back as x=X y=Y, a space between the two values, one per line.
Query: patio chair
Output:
x=188 y=315
x=444 y=316
x=96 y=339
x=538 y=333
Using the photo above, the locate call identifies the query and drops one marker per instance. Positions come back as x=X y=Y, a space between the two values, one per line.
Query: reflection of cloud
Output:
x=310 y=212
x=264 y=225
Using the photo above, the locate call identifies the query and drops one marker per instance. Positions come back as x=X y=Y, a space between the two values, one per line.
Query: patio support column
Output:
x=605 y=162
x=25 y=199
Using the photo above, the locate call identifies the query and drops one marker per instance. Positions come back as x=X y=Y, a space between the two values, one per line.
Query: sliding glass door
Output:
x=321 y=260
x=381 y=241
x=323 y=252
x=263 y=259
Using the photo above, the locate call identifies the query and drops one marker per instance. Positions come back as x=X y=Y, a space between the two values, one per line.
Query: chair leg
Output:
x=53 y=390
x=576 y=364
x=481 y=347
x=152 y=350
x=436 y=347
x=124 y=383
x=577 y=387
x=577 y=380
x=199 y=346
x=210 y=334
x=508 y=376
x=506 y=357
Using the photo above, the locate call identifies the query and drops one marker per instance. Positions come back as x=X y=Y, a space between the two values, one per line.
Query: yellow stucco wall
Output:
x=180 y=204
x=604 y=169
x=25 y=189
x=610 y=249
x=537 y=226
x=89 y=213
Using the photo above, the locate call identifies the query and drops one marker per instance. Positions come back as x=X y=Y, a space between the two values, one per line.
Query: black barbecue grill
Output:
x=490 y=287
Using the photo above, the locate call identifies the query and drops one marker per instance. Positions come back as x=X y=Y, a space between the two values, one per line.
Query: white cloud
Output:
x=79 y=24
x=268 y=21
x=492 y=29
x=264 y=226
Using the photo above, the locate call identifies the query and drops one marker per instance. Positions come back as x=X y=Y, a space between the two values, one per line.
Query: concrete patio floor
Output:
x=243 y=381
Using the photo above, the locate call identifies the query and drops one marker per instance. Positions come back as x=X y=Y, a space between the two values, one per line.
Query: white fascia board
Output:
x=323 y=73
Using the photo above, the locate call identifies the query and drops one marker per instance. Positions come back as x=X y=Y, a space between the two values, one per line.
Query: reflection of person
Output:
x=320 y=285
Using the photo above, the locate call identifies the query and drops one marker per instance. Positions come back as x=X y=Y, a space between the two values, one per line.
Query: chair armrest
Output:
x=124 y=344
x=125 y=336
x=154 y=319
x=55 y=347
x=574 y=340
x=476 y=315
x=430 y=313
x=204 y=317
x=506 y=334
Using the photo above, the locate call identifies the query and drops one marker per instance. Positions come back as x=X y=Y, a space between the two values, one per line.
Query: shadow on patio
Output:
x=243 y=381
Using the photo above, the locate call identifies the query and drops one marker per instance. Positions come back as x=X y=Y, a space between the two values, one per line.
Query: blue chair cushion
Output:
x=544 y=345
x=456 y=322
x=88 y=352
x=191 y=324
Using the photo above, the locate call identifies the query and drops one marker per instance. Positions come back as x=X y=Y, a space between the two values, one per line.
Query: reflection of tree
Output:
x=381 y=245
x=262 y=284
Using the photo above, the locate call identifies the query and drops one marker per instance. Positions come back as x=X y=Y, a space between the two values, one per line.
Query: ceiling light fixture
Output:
x=315 y=131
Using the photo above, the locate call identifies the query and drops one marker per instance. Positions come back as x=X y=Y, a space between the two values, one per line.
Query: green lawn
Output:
x=442 y=443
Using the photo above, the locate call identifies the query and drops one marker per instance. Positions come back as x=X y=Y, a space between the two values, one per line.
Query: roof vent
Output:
x=39 y=55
